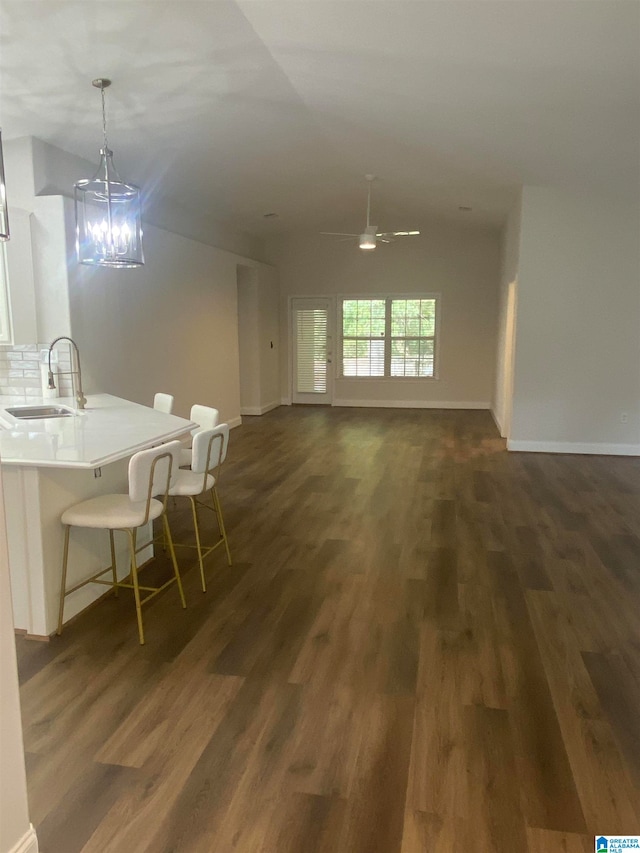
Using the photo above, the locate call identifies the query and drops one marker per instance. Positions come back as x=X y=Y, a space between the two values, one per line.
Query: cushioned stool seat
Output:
x=151 y=472
x=111 y=512
x=207 y=455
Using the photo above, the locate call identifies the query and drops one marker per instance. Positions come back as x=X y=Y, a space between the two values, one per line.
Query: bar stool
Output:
x=208 y=453
x=206 y=418
x=151 y=472
x=163 y=403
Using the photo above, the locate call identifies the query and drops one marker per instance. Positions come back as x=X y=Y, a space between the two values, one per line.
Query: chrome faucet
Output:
x=80 y=398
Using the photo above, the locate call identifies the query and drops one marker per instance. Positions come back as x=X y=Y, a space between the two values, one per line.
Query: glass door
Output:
x=312 y=351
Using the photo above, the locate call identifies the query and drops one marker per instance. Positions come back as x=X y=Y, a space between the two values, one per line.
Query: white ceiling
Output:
x=237 y=109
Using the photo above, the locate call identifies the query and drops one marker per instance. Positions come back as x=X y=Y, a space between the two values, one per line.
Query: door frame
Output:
x=509 y=356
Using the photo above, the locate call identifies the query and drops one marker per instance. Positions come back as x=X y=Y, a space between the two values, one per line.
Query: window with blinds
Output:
x=389 y=337
x=311 y=351
x=363 y=331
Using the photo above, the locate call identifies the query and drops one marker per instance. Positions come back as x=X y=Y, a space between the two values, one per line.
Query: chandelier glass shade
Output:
x=108 y=213
x=4 y=212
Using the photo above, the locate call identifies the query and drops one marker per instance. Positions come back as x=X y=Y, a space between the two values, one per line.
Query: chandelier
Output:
x=108 y=217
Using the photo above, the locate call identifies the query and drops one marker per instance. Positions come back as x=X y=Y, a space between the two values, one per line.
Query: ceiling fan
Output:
x=370 y=235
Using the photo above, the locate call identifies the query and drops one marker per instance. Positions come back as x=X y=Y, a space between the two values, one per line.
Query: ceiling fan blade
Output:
x=385 y=239
x=398 y=234
x=337 y=234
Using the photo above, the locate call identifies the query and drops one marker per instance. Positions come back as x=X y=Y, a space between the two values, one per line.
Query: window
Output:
x=389 y=336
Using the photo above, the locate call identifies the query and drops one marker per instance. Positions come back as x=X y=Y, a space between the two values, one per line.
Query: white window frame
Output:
x=388 y=298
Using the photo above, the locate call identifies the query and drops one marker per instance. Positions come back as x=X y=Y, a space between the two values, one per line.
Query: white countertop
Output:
x=108 y=429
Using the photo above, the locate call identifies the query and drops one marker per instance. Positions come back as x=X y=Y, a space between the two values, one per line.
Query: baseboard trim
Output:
x=259 y=410
x=285 y=401
x=28 y=843
x=413 y=404
x=235 y=422
x=591 y=448
x=39 y=638
x=496 y=421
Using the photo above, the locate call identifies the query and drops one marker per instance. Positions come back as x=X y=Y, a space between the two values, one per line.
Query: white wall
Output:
x=269 y=337
x=460 y=263
x=248 y=340
x=508 y=274
x=171 y=325
x=53 y=248
x=577 y=366
x=258 y=331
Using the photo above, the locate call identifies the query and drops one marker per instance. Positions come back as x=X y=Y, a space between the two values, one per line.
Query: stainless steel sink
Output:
x=29 y=413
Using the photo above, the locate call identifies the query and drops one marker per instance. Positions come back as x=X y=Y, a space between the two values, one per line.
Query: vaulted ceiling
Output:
x=237 y=109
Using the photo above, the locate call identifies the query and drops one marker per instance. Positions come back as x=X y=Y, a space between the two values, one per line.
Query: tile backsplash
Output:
x=20 y=370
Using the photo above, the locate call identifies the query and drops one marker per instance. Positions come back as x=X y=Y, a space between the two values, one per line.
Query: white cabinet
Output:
x=6 y=334
x=18 y=317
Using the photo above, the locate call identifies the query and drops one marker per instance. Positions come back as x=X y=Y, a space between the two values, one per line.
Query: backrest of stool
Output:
x=205 y=416
x=152 y=471
x=163 y=403
x=209 y=449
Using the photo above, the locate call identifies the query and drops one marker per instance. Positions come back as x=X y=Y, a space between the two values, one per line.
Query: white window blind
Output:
x=311 y=350
x=363 y=331
x=389 y=337
x=413 y=329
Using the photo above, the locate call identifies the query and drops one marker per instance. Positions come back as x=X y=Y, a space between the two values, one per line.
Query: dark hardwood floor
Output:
x=424 y=644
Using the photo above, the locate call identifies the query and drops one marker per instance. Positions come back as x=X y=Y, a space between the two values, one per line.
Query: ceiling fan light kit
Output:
x=108 y=212
x=370 y=236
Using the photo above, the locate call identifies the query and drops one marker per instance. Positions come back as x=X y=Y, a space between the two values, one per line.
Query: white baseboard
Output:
x=259 y=410
x=285 y=401
x=413 y=404
x=595 y=448
x=235 y=422
x=496 y=420
x=27 y=844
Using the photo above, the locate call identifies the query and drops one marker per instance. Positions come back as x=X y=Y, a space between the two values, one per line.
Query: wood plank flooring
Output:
x=424 y=644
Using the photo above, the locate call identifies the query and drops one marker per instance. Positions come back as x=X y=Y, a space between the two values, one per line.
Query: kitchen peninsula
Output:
x=48 y=465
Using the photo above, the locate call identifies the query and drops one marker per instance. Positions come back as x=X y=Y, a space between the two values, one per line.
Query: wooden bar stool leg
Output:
x=223 y=532
x=169 y=538
x=63 y=583
x=134 y=580
x=198 y=545
x=113 y=563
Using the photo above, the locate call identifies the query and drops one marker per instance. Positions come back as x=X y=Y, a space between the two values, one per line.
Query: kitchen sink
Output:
x=39 y=412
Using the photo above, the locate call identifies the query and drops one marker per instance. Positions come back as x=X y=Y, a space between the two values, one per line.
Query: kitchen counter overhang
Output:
x=107 y=430
x=50 y=464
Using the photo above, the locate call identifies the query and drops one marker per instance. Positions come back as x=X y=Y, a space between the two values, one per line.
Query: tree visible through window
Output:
x=389 y=337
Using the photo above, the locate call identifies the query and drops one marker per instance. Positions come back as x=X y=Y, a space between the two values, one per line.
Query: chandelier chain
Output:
x=104 y=119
